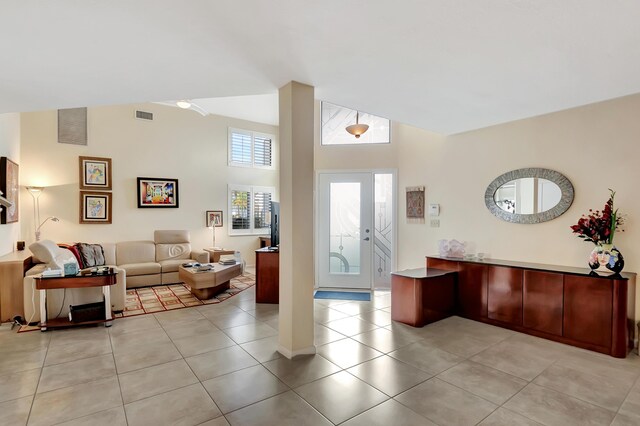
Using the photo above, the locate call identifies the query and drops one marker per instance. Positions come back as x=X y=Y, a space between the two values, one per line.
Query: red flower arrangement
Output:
x=599 y=227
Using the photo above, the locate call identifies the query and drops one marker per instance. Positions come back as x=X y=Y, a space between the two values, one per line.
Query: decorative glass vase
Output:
x=606 y=257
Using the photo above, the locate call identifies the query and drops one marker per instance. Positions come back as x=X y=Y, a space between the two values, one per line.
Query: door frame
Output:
x=394 y=207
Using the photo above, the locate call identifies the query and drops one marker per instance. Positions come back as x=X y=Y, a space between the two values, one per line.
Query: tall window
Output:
x=250 y=149
x=250 y=209
x=335 y=120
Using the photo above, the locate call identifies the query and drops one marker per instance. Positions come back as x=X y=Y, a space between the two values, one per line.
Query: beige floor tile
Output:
x=212 y=311
x=351 y=326
x=77 y=351
x=139 y=323
x=154 y=380
x=250 y=332
x=340 y=396
x=389 y=375
x=137 y=357
x=346 y=353
x=134 y=339
x=389 y=413
x=455 y=342
x=424 y=357
x=324 y=335
x=264 y=349
x=18 y=385
x=88 y=335
x=625 y=420
x=220 y=421
x=445 y=404
x=503 y=417
x=622 y=370
x=76 y=372
x=377 y=317
x=190 y=329
x=323 y=315
x=301 y=369
x=195 y=345
x=13 y=362
x=223 y=361
x=75 y=401
x=554 y=408
x=631 y=405
x=12 y=341
x=178 y=316
x=485 y=382
x=384 y=340
x=286 y=409
x=186 y=406
x=15 y=412
x=354 y=307
x=111 y=417
x=244 y=387
x=606 y=392
x=233 y=320
x=514 y=359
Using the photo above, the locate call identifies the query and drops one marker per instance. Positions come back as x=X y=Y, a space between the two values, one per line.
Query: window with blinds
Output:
x=250 y=209
x=250 y=149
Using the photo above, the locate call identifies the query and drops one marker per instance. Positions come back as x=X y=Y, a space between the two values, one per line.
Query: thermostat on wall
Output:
x=434 y=209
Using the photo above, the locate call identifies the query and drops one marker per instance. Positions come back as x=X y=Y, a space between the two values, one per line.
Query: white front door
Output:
x=345 y=230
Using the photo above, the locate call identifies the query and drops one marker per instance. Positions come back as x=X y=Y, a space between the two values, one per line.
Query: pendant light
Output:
x=357 y=129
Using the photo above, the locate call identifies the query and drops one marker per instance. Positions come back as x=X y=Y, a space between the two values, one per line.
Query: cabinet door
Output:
x=472 y=290
x=542 y=300
x=505 y=294
x=588 y=310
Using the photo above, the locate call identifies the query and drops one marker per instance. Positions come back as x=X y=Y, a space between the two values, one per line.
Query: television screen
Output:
x=275 y=224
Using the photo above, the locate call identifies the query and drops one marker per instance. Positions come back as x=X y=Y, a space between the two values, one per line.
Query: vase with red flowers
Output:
x=599 y=227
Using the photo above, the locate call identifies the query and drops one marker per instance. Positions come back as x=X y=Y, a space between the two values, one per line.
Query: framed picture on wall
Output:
x=157 y=192
x=9 y=188
x=95 y=207
x=95 y=173
x=214 y=218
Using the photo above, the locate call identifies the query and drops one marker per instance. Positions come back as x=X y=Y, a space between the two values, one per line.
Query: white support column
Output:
x=296 y=224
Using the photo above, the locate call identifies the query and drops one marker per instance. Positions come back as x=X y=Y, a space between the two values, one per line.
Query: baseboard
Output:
x=311 y=350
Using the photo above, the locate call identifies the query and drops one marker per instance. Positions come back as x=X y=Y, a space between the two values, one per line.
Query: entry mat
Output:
x=342 y=295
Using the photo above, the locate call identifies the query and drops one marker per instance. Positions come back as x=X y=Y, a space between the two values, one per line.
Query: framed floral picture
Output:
x=95 y=207
x=95 y=173
x=157 y=192
x=9 y=188
x=415 y=202
x=214 y=218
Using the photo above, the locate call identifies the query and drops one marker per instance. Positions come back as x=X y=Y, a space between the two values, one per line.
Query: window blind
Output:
x=262 y=210
x=241 y=148
x=240 y=207
x=262 y=151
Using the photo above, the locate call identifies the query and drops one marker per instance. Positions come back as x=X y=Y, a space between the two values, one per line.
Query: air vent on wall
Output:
x=143 y=115
x=72 y=126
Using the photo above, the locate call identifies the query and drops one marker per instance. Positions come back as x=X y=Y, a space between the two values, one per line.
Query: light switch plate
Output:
x=435 y=223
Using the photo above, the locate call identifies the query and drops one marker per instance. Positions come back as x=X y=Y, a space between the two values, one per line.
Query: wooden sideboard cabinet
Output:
x=267 y=276
x=564 y=304
x=12 y=269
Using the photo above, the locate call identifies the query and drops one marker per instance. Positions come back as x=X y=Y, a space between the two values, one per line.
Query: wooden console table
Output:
x=422 y=296
x=76 y=281
x=267 y=275
x=564 y=304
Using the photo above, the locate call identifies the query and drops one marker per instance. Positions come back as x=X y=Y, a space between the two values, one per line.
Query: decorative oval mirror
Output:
x=531 y=195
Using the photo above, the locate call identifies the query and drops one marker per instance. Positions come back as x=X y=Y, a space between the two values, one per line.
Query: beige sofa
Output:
x=138 y=263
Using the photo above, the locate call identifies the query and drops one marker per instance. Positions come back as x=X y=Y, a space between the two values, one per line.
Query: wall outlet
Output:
x=435 y=223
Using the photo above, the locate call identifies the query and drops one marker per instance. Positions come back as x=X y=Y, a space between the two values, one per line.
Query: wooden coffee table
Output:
x=206 y=284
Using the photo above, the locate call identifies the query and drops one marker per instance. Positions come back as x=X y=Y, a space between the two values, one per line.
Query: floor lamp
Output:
x=35 y=192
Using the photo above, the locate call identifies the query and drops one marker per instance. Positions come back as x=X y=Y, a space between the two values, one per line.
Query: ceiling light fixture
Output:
x=184 y=104
x=357 y=129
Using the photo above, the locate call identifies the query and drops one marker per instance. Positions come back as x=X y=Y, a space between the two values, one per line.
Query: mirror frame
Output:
x=566 y=199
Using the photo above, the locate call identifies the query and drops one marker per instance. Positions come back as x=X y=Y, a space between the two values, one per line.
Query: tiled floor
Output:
x=218 y=365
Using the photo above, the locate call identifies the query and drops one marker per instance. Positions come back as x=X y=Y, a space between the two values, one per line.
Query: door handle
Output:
x=366 y=239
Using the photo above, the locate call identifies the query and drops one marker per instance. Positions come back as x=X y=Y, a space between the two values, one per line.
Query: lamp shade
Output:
x=357 y=129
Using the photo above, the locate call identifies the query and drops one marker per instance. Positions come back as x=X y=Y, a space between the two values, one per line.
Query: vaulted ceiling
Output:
x=446 y=66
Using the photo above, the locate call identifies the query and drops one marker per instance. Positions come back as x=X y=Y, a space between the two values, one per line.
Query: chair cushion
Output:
x=171 y=265
x=173 y=251
x=145 y=268
x=171 y=237
x=135 y=252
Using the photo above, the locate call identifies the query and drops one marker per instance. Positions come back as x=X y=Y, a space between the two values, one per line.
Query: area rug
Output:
x=146 y=300
x=342 y=295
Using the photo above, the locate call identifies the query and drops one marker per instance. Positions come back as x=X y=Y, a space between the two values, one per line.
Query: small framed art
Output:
x=9 y=188
x=157 y=192
x=95 y=173
x=95 y=207
x=214 y=218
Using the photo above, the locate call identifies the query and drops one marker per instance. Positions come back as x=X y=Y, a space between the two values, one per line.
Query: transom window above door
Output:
x=336 y=119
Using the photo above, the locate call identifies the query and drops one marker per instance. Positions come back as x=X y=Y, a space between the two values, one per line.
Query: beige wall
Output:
x=10 y=148
x=177 y=144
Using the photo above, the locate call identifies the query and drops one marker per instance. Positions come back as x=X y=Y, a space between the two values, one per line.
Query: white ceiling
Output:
x=446 y=66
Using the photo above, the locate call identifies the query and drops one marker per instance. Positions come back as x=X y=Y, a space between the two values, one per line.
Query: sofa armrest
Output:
x=200 y=256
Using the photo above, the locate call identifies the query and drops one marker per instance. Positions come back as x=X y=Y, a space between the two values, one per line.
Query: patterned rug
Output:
x=146 y=300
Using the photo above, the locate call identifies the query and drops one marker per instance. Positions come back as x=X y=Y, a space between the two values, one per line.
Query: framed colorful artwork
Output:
x=9 y=188
x=95 y=207
x=95 y=173
x=157 y=192
x=415 y=202
x=214 y=218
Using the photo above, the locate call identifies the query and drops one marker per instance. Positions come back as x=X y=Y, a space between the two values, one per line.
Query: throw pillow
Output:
x=91 y=254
